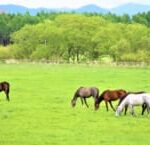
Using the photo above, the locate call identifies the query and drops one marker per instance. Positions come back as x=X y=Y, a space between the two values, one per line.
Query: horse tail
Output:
x=100 y=98
x=95 y=93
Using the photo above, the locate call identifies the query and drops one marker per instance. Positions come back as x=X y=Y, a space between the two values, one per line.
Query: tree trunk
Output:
x=77 y=55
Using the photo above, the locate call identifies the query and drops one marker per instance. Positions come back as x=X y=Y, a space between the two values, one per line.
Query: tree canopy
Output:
x=76 y=37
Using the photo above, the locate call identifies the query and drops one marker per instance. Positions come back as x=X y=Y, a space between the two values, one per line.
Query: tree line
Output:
x=10 y=23
x=75 y=37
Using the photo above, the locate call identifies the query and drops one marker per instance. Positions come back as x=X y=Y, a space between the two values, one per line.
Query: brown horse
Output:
x=83 y=93
x=110 y=95
x=4 y=86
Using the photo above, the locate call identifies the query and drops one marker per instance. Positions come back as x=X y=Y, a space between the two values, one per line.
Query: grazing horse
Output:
x=144 y=106
x=110 y=95
x=4 y=86
x=132 y=100
x=83 y=93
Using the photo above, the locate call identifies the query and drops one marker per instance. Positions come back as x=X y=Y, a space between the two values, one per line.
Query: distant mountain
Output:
x=91 y=9
x=129 y=8
x=20 y=9
x=13 y=9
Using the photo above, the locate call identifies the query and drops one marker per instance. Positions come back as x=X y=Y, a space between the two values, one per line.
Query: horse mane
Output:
x=128 y=93
x=141 y=92
x=76 y=93
x=123 y=98
x=101 y=97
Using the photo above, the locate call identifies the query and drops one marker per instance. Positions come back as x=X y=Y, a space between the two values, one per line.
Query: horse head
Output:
x=118 y=111
x=73 y=103
x=98 y=100
x=96 y=104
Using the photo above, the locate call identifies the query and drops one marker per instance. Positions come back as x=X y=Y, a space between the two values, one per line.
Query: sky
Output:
x=71 y=3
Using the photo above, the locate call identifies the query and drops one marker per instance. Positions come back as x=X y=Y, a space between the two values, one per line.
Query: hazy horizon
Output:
x=72 y=3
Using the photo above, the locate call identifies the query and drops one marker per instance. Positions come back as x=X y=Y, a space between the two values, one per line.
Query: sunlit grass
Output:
x=40 y=113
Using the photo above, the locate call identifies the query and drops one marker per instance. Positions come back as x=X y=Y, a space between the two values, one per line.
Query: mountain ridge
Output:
x=129 y=8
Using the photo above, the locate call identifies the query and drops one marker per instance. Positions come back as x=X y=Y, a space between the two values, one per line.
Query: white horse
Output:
x=132 y=100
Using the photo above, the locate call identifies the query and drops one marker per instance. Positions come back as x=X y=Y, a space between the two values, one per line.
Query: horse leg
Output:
x=126 y=108
x=144 y=106
x=86 y=103
x=119 y=102
x=112 y=106
x=132 y=110
x=148 y=111
x=81 y=100
x=106 y=105
x=7 y=94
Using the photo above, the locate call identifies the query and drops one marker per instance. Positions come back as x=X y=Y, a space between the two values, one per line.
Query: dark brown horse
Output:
x=110 y=95
x=4 y=86
x=83 y=93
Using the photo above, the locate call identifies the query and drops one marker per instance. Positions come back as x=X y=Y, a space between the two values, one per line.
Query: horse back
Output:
x=85 y=92
x=114 y=94
x=95 y=92
x=136 y=99
x=88 y=91
x=122 y=93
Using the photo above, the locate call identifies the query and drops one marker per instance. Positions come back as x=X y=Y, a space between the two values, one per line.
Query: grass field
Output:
x=40 y=113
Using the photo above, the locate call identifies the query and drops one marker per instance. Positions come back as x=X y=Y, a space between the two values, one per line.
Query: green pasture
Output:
x=40 y=113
